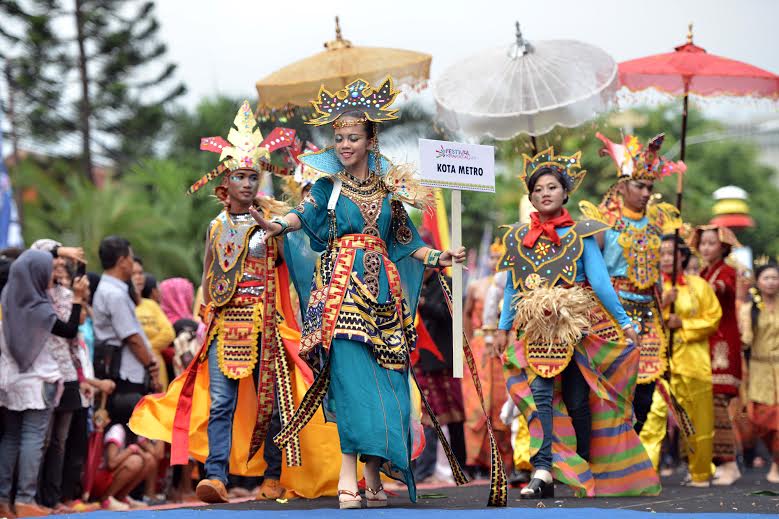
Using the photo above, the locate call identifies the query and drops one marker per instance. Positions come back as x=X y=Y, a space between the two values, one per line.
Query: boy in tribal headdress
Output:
x=631 y=249
x=240 y=388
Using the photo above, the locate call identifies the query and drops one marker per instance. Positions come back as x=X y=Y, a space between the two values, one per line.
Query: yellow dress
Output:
x=700 y=312
x=158 y=330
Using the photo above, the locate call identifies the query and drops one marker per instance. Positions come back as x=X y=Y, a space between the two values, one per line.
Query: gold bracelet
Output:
x=432 y=258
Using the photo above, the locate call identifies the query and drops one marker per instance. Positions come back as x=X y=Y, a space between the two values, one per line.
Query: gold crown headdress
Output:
x=244 y=147
x=637 y=162
x=724 y=235
x=358 y=96
x=569 y=166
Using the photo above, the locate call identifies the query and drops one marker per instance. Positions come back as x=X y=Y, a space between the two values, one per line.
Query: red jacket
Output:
x=725 y=344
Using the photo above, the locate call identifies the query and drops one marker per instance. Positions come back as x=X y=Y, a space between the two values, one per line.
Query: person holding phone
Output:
x=30 y=376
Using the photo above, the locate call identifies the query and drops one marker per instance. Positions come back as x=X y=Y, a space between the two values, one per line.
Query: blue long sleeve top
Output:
x=589 y=267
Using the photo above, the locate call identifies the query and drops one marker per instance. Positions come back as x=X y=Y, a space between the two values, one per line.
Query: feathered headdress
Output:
x=244 y=148
x=637 y=162
x=569 y=166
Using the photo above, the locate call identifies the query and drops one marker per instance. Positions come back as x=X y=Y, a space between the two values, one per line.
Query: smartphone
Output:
x=81 y=270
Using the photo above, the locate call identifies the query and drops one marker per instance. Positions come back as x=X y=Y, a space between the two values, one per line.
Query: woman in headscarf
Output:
x=30 y=379
x=177 y=297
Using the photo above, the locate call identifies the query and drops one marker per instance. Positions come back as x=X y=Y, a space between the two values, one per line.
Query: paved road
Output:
x=737 y=499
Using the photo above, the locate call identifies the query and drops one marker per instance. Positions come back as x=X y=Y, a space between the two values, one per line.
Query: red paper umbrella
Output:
x=691 y=70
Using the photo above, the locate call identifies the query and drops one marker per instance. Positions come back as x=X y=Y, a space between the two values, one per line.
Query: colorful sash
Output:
x=237 y=327
x=654 y=344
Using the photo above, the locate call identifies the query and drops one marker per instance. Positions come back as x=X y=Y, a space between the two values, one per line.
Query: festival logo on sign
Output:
x=453 y=153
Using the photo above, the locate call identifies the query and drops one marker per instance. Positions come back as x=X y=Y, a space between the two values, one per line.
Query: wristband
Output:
x=432 y=258
x=282 y=222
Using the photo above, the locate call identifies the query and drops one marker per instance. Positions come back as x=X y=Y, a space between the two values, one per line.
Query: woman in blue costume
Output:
x=359 y=328
x=569 y=367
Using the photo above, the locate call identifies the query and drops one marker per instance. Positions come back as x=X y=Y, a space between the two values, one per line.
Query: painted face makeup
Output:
x=243 y=186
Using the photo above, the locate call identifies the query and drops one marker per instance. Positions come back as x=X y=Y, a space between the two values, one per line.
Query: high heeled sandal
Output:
x=348 y=504
x=537 y=489
x=376 y=501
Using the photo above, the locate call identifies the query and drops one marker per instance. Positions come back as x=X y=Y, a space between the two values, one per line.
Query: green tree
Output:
x=116 y=59
x=710 y=165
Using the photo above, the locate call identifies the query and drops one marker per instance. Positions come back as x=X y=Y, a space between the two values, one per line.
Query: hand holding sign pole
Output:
x=457 y=166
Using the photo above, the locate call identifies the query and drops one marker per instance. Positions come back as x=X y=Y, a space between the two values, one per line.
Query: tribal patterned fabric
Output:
x=237 y=329
x=654 y=343
x=498 y=481
x=618 y=464
x=346 y=309
x=546 y=260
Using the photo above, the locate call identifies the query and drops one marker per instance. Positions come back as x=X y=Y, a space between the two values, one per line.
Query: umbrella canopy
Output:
x=339 y=64
x=692 y=70
x=527 y=88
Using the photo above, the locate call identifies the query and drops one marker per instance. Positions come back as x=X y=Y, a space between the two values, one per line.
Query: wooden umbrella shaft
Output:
x=679 y=196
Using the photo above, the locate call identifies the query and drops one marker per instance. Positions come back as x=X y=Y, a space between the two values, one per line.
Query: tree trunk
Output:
x=85 y=106
x=14 y=175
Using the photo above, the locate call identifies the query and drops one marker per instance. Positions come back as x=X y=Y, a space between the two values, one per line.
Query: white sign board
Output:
x=455 y=165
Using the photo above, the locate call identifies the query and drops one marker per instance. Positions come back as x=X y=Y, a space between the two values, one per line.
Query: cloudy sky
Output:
x=225 y=46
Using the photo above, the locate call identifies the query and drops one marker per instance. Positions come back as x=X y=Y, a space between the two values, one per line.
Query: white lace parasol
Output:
x=527 y=88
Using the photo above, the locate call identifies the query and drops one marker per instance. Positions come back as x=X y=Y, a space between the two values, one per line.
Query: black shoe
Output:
x=519 y=477
x=540 y=489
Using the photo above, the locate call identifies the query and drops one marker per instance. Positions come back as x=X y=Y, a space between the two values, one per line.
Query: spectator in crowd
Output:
x=30 y=379
x=156 y=326
x=124 y=467
x=176 y=298
x=139 y=275
x=119 y=337
x=759 y=325
x=78 y=438
x=63 y=351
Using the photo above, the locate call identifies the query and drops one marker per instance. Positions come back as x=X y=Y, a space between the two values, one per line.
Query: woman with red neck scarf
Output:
x=714 y=244
x=572 y=354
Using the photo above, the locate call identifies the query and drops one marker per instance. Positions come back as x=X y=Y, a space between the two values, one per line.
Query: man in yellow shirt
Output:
x=696 y=315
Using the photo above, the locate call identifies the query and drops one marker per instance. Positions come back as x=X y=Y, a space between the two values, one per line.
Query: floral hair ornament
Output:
x=244 y=148
x=637 y=162
x=568 y=165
